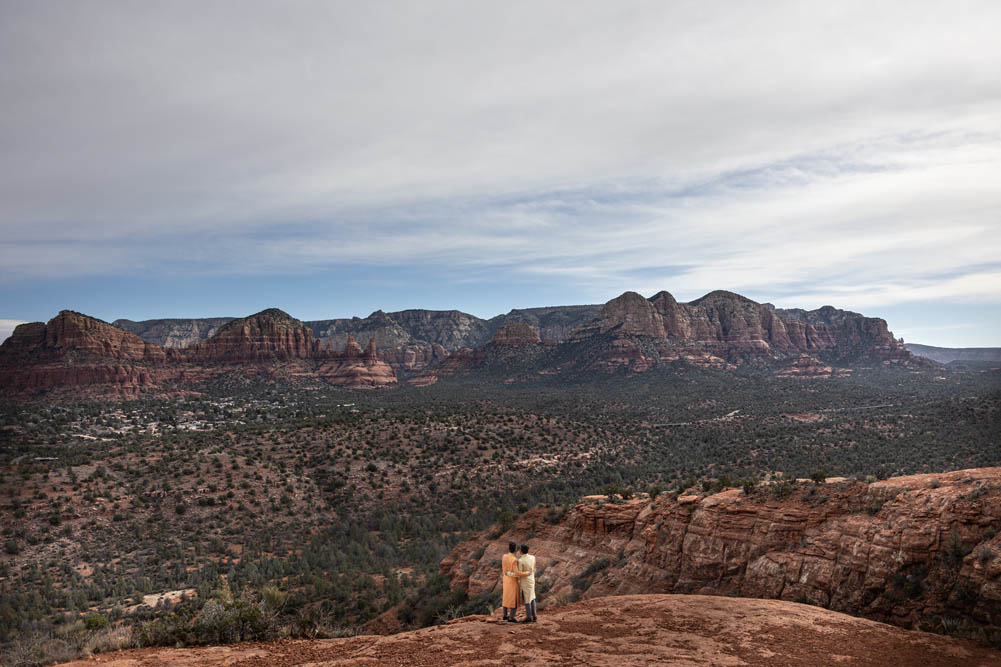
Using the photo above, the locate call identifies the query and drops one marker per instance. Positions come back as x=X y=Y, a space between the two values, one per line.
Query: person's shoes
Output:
x=511 y=620
x=535 y=620
x=527 y=620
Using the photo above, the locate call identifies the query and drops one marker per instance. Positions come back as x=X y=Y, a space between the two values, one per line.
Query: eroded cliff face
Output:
x=723 y=329
x=268 y=335
x=355 y=368
x=510 y=350
x=900 y=550
x=174 y=333
x=80 y=354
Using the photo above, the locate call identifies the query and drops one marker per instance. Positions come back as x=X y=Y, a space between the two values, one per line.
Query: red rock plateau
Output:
x=81 y=354
x=907 y=550
x=676 y=630
x=722 y=329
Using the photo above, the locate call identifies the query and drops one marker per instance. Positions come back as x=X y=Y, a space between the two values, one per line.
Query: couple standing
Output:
x=519 y=583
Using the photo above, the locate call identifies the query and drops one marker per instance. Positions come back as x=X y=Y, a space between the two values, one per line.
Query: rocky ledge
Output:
x=909 y=550
x=632 y=630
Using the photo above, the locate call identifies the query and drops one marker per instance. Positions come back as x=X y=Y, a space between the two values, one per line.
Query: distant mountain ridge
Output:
x=630 y=334
x=85 y=355
x=945 y=355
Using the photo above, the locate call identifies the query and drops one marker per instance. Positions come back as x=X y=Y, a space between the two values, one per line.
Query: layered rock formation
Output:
x=81 y=354
x=269 y=335
x=906 y=550
x=174 y=333
x=509 y=350
x=410 y=340
x=355 y=368
x=625 y=631
x=77 y=351
x=516 y=333
x=555 y=323
x=721 y=330
x=729 y=328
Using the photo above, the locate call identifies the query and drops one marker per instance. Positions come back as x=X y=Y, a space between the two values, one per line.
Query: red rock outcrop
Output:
x=516 y=333
x=75 y=333
x=735 y=329
x=628 y=631
x=902 y=550
x=78 y=354
x=358 y=369
x=269 y=335
x=805 y=366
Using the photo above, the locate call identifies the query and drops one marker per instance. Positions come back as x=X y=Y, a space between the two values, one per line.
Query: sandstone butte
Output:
x=627 y=631
x=630 y=333
x=723 y=329
x=74 y=352
x=906 y=551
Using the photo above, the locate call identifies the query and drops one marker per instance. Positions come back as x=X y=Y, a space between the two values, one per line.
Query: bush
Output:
x=955 y=550
x=95 y=622
x=819 y=476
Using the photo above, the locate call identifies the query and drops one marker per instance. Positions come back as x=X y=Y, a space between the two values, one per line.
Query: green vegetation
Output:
x=321 y=509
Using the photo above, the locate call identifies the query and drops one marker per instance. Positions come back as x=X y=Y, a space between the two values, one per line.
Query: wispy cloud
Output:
x=802 y=152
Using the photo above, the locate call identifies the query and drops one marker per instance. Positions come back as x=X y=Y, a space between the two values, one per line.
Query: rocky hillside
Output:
x=945 y=355
x=632 y=630
x=174 y=333
x=906 y=551
x=555 y=323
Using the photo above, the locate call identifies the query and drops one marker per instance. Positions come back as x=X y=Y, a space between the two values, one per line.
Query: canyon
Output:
x=906 y=550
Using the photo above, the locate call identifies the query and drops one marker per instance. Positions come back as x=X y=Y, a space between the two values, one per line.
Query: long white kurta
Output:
x=527 y=583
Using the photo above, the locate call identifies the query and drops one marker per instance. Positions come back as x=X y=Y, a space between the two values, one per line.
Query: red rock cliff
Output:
x=901 y=550
x=79 y=354
x=269 y=335
x=734 y=328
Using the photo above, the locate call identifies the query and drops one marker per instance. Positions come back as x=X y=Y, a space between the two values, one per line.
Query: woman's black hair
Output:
x=512 y=547
x=524 y=548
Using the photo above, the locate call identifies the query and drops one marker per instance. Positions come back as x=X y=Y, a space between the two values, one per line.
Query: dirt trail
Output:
x=617 y=631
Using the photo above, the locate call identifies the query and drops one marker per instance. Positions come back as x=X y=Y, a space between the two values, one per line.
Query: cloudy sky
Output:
x=189 y=159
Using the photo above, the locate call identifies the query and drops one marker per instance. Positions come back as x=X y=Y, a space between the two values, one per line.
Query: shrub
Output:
x=819 y=476
x=95 y=622
x=955 y=550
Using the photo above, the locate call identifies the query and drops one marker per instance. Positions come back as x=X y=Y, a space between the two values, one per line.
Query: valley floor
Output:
x=622 y=631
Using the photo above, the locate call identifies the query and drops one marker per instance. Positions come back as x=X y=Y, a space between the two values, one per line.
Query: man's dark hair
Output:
x=524 y=548
x=512 y=547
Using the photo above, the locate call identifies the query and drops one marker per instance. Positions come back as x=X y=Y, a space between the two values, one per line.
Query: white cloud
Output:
x=7 y=328
x=803 y=150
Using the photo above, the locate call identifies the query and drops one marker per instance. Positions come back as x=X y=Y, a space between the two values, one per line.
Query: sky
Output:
x=196 y=159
